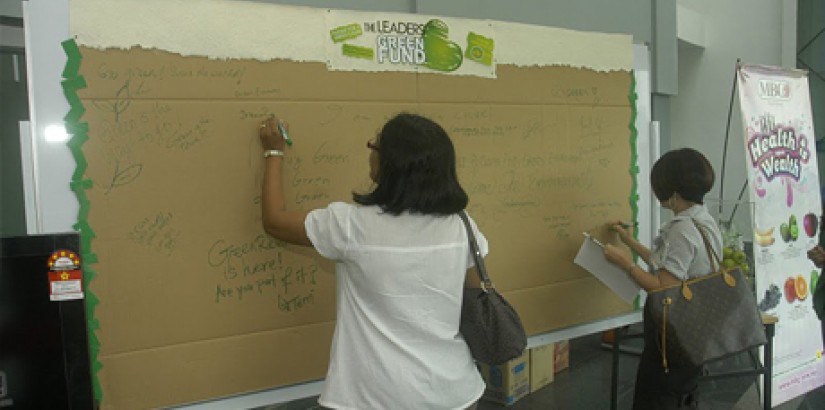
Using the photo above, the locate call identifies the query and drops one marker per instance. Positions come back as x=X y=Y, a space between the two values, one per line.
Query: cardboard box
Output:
x=507 y=382
x=542 y=359
x=561 y=359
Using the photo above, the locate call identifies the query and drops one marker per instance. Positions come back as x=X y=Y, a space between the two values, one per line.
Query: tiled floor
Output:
x=586 y=385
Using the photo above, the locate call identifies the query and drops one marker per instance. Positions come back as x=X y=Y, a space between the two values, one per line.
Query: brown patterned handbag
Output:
x=705 y=318
x=489 y=324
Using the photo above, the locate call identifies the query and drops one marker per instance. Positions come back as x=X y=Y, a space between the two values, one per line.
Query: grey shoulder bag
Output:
x=489 y=324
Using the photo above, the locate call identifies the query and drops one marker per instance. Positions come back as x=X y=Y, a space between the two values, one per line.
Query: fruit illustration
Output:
x=793 y=228
x=785 y=232
x=810 y=223
x=789 y=231
x=771 y=298
x=441 y=53
x=801 y=288
x=764 y=237
x=790 y=290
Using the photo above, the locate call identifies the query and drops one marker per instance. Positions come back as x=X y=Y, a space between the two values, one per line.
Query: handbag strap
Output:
x=486 y=283
x=715 y=264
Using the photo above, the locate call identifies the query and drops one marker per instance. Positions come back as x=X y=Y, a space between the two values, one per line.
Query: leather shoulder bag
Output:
x=489 y=324
x=705 y=318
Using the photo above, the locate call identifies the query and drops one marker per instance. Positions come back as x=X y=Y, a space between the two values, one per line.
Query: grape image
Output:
x=771 y=298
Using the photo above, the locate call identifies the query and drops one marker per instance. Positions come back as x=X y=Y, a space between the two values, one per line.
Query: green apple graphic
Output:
x=441 y=53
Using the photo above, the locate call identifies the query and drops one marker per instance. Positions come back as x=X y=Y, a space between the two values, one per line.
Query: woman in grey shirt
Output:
x=680 y=179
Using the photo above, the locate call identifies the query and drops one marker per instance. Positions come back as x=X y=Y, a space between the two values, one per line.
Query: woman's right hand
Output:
x=615 y=256
x=817 y=256
x=270 y=134
x=619 y=227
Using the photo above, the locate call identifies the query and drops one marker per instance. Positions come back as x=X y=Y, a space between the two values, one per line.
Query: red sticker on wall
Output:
x=65 y=276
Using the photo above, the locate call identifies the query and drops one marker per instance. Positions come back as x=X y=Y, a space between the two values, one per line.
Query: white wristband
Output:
x=273 y=153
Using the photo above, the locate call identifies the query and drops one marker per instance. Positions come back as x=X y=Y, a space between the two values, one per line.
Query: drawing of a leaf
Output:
x=127 y=175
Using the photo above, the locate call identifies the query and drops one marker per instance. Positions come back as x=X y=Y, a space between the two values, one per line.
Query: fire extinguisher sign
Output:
x=65 y=276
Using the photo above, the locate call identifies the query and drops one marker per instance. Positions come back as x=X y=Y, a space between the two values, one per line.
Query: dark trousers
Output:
x=657 y=389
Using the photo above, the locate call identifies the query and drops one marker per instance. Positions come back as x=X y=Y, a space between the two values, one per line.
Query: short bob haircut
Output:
x=684 y=171
x=417 y=169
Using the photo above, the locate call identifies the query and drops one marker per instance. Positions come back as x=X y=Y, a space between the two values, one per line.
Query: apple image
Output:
x=790 y=290
x=785 y=232
x=793 y=228
x=810 y=223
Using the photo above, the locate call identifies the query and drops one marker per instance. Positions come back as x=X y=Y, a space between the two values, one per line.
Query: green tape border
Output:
x=633 y=97
x=73 y=81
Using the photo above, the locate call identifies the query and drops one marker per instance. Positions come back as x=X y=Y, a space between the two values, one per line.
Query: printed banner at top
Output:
x=783 y=177
x=360 y=41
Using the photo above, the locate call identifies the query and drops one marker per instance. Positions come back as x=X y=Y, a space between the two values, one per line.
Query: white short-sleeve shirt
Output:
x=399 y=282
x=679 y=247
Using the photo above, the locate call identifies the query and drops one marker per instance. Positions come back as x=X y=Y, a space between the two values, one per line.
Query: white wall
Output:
x=755 y=31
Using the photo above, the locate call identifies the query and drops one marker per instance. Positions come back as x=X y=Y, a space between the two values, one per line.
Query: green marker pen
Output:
x=283 y=132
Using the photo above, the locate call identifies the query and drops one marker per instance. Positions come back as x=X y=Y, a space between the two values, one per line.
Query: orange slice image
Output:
x=801 y=288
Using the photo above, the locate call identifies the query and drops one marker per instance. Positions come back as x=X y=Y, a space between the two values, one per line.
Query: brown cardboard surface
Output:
x=561 y=356
x=193 y=290
x=507 y=382
x=542 y=370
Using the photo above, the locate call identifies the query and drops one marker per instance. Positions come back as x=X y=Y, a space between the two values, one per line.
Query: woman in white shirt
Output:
x=680 y=179
x=402 y=259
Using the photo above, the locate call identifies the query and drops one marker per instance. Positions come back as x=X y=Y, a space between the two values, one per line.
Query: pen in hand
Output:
x=283 y=132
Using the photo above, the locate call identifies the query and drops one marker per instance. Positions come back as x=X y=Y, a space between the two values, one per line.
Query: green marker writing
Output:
x=283 y=132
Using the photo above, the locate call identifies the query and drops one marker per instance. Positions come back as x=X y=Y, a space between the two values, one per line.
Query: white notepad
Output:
x=591 y=258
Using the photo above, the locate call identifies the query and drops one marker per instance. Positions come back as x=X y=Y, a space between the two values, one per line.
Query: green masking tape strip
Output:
x=80 y=160
x=348 y=32
x=88 y=273
x=350 y=50
x=90 y=258
x=73 y=59
x=86 y=238
x=77 y=128
x=634 y=161
x=83 y=201
x=79 y=133
x=76 y=108
x=73 y=82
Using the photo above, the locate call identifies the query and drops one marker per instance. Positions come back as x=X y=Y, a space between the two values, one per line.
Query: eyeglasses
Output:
x=372 y=145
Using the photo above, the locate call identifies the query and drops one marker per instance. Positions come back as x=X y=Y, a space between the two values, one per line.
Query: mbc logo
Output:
x=774 y=89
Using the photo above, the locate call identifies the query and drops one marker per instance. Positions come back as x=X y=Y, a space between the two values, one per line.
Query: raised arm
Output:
x=285 y=225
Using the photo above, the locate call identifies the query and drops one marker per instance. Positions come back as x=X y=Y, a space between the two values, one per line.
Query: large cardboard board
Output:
x=197 y=302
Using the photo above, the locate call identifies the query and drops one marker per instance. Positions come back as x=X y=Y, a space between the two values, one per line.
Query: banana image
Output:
x=765 y=240
x=764 y=237
x=764 y=232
